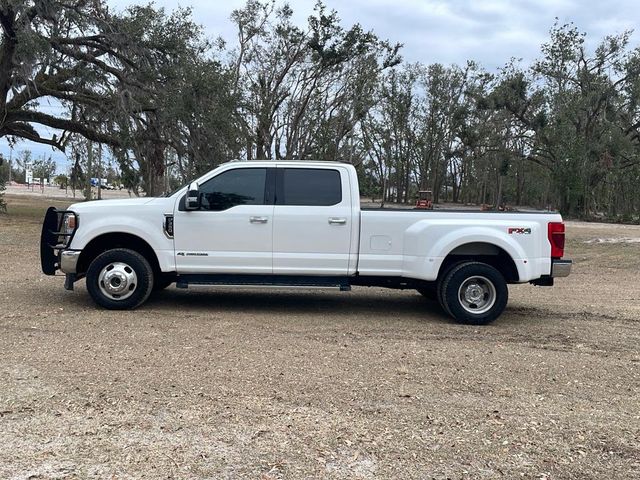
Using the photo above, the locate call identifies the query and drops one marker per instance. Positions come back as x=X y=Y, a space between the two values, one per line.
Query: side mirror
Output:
x=192 y=201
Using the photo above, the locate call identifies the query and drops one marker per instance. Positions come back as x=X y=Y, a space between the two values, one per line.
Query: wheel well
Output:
x=482 y=252
x=109 y=241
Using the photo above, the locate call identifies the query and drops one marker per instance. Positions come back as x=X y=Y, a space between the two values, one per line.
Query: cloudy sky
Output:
x=446 y=31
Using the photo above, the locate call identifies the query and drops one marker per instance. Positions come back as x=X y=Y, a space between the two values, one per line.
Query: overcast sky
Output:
x=447 y=31
x=488 y=31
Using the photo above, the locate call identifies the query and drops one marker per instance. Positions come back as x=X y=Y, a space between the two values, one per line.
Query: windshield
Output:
x=169 y=194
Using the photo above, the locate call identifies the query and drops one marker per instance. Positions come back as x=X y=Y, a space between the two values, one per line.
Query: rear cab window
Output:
x=308 y=187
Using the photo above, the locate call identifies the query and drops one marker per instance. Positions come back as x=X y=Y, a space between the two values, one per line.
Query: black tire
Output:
x=474 y=293
x=119 y=279
x=440 y=294
x=429 y=291
x=440 y=284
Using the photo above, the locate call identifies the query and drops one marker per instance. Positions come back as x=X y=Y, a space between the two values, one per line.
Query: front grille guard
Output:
x=53 y=239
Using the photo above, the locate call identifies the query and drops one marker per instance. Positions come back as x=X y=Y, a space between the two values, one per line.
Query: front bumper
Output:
x=69 y=261
x=560 y=268
x=53 y=243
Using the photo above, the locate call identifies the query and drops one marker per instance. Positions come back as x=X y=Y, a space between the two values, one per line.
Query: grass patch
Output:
x=20 y=206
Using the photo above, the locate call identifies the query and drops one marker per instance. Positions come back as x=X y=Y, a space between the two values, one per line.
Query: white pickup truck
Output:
x=298 y=224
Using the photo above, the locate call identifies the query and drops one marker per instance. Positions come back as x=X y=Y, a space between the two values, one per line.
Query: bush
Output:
x=3 y=178
x=3 y=204
x=62 y=181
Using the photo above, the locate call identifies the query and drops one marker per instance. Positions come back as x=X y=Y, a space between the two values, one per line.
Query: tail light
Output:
x=556 y=239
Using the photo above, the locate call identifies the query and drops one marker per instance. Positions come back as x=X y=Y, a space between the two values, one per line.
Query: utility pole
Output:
x=42 y=178
x=10 y=163
x=99 y=171
x=87 y=193
x=167 y=187
x=74 y=174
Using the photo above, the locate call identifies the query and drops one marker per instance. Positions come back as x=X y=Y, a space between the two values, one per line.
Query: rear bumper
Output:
x=561 y=268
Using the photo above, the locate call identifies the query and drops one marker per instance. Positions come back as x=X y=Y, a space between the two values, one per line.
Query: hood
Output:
x=96 y=205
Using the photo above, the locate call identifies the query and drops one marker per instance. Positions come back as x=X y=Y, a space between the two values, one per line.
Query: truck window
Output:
x=241 y=186
x=310 y=186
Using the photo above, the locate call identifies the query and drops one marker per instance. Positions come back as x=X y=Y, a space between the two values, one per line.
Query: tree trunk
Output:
x=499 y=191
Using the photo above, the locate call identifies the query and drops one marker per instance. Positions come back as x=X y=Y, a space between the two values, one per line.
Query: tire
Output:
x=120 y=279
x=440 y=295
x=429 y=291
x=440 y=284
x=474 y=293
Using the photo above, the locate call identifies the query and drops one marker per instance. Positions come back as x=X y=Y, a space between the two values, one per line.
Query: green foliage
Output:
x=44 y=168
x=170 y=104
x=4 y=170
x=578 y=109
x=304 y=91
x=4 y=175
x=62 y=181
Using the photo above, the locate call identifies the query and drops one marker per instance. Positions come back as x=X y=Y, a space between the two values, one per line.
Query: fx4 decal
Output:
x=519 y=231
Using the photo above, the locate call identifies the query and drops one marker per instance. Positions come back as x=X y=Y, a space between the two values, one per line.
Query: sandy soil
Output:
x=221 y=383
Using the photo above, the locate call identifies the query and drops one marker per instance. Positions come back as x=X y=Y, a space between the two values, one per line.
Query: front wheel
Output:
x=474 y=293
x=119 y=279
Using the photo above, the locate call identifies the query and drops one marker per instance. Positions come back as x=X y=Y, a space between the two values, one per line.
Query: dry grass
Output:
x=219 y=383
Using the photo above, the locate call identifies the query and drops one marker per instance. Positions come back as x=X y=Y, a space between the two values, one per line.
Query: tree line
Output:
x=168 y=104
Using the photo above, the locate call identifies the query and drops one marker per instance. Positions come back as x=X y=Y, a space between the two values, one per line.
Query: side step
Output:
x=263 y=281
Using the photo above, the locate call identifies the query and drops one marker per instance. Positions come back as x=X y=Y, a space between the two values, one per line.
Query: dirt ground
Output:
x=222 y=383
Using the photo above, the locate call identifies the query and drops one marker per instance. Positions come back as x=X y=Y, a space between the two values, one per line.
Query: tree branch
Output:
x=30 y=116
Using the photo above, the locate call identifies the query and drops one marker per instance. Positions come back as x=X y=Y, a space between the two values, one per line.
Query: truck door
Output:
x=312 y=224
x=232 y=232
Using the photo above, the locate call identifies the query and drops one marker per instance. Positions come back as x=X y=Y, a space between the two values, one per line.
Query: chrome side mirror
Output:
x=192 y=201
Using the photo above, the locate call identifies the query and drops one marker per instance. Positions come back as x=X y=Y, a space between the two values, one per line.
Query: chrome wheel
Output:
x=117 y=281
x=477 y=295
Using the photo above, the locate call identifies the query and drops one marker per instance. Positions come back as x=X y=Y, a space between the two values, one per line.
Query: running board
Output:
x=263 y=281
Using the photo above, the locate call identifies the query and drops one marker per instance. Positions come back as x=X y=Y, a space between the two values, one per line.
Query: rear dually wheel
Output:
x=474 y=293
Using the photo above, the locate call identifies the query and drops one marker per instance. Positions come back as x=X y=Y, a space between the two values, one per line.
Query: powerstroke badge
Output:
x=519 y=231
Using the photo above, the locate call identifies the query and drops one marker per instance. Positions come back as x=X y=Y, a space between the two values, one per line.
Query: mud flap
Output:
x=69 y=280
x=543 y=281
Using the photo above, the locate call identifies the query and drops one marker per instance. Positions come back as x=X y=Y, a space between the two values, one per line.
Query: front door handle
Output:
x=258 y=219
x=337 y=221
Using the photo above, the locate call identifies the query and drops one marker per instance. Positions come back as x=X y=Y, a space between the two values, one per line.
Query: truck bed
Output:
x=414 y=243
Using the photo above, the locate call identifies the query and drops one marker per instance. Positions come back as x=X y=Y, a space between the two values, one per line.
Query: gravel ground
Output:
x=221 y=383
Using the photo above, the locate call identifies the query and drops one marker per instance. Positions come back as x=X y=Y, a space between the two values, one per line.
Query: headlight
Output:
x=69 y=225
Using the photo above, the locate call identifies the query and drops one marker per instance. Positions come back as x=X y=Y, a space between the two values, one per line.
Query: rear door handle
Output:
x=258 y=219
x=337 y=221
